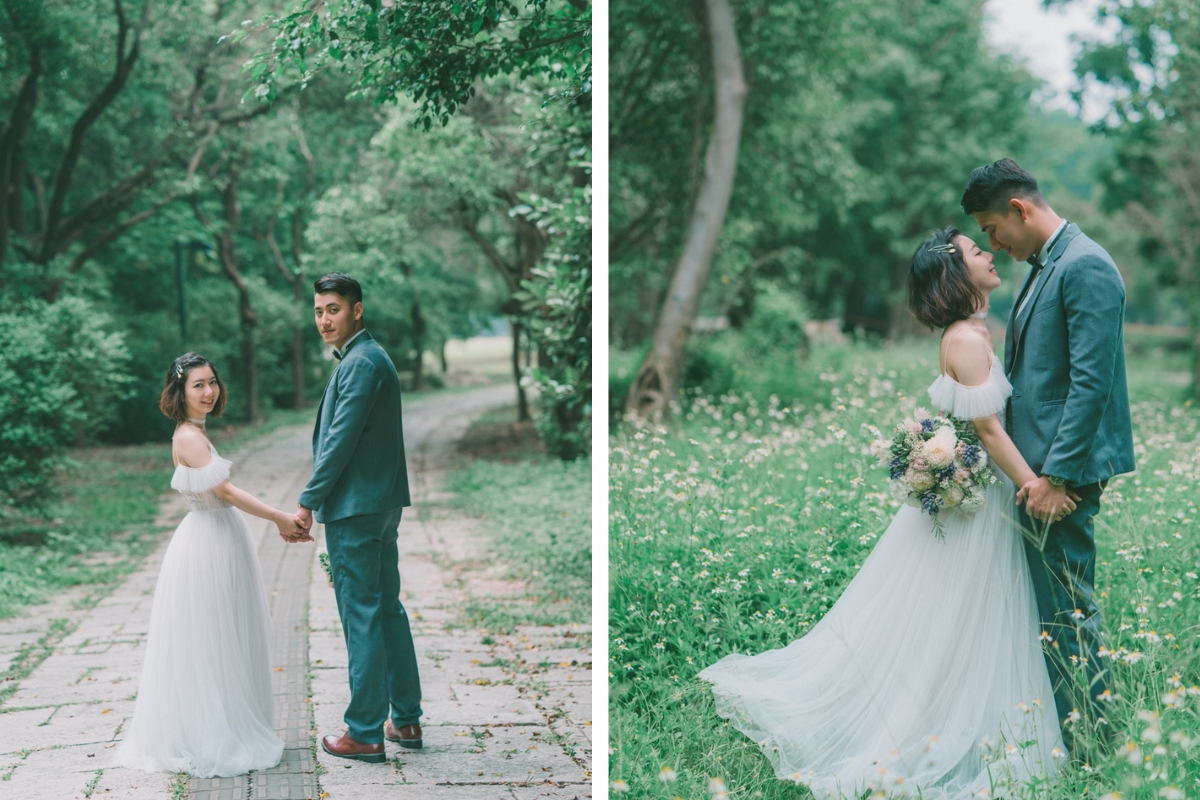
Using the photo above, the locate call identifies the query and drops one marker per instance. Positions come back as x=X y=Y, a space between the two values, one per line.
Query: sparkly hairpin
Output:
x=178 y=372
x=941 y=248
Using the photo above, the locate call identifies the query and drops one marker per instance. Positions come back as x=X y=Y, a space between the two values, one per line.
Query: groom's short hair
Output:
x=339 y=283
x=991 y=186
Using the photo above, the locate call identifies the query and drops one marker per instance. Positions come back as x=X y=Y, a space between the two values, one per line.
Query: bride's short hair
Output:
x=940 y=290
x=173 y=402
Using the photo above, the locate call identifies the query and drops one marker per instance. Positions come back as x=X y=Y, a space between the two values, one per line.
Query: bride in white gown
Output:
x=926 y=678
x=204 y=705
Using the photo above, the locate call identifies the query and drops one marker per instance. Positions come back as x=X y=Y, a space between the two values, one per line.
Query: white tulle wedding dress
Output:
x=926 y=678
x=204 y=705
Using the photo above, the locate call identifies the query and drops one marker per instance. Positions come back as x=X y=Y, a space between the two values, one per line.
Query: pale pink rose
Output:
x=919 y=480
x=939 y=451
x=953 y=496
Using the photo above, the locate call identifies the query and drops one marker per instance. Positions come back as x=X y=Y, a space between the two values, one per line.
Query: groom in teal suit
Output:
x=358 y=490
x=1064 y=353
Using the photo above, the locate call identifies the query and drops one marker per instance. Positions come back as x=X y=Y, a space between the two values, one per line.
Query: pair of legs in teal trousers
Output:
x=1064 y=576
x=383 y=662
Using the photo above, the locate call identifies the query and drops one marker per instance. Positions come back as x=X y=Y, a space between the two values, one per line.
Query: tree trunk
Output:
x=442 y=356
x=901 y=323
x=418 y=323
x=657 y=381
x=522 y=399
x=225 y=237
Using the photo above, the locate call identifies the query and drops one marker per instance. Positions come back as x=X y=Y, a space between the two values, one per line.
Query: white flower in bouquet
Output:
x=918 y=479
x=939 y=451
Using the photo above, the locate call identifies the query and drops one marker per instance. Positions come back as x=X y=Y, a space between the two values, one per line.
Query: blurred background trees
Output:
x=862 y=122
x=168 y=183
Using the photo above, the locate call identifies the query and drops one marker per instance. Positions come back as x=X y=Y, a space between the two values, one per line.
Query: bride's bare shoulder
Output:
x=967 y=353
x=190 y=447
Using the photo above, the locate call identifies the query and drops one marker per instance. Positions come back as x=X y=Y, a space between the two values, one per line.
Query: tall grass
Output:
x=737 y=526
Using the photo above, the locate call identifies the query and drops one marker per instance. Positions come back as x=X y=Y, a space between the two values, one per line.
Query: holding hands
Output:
x=1045 y=501
x=294 y=528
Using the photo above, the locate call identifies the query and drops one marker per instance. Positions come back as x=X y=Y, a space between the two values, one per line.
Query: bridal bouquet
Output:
x=323 y=558
x=936 y=462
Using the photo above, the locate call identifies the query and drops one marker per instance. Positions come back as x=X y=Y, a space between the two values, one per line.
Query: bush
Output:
x=776 y=325
x=61 y=375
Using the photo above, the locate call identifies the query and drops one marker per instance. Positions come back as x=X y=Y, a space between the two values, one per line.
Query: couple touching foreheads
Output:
x=204 y=705
x=927 y=677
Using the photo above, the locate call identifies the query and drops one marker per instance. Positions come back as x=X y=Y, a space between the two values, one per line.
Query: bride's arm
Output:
x=1000 y=449
x=241 y=499
x=968 y=360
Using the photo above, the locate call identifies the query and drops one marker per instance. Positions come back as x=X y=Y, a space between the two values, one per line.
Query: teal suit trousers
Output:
x=383 y=661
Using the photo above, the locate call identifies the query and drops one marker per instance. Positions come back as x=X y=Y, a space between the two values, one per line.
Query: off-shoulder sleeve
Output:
x=202 y=479
x=971 y=402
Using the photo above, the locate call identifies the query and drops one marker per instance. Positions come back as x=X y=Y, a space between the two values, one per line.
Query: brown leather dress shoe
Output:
x=345 y=747
x=407 y=735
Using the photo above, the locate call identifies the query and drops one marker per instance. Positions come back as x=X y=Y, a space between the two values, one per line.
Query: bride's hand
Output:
x=291 y=529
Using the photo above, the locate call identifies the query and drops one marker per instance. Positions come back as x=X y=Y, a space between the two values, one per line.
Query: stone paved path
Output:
x=505 y=717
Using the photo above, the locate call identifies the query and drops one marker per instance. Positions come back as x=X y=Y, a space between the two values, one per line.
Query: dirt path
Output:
x=488 y=733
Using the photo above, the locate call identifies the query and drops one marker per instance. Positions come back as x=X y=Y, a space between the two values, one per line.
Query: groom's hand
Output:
x=305 y=517
x=1043 y=500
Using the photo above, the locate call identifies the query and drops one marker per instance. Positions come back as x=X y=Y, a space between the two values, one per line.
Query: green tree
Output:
x=1154 y=122
x=862 y=122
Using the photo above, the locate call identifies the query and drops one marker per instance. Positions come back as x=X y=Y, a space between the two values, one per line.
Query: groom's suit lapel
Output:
x=325 y=395
x=1010 y=339
x=1018 y=322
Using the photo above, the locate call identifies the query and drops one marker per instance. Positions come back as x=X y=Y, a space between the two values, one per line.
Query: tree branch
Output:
x=507 y=271
x=270 y=235
x=116 y=231
x=66 y=170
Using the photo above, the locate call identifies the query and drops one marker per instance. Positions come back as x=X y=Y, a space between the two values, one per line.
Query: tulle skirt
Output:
x=925 y=678
x=204 y=705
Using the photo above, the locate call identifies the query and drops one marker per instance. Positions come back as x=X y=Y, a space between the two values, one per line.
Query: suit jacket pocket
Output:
x=1046 y=303
x=1054 y=402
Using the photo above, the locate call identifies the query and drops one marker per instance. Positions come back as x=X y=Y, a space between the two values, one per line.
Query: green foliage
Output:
x=537 y=513
x=62 y=371
x=559 y=301
x=1153 y=69
x=435 y=52
x=775 y=329
x=738 y=528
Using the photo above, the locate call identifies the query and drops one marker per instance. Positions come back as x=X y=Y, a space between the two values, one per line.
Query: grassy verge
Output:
x=536 y=512
x=738 y=526
x=102 y=525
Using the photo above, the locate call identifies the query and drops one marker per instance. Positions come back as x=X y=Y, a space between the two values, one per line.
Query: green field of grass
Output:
x=735 y=527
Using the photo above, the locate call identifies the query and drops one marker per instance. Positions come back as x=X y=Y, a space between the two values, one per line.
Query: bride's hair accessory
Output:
x=940 y=289
x=173 y=402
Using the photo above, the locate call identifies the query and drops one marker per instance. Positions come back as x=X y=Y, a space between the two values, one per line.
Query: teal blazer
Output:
x=358 y=439
x=1065 y=356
